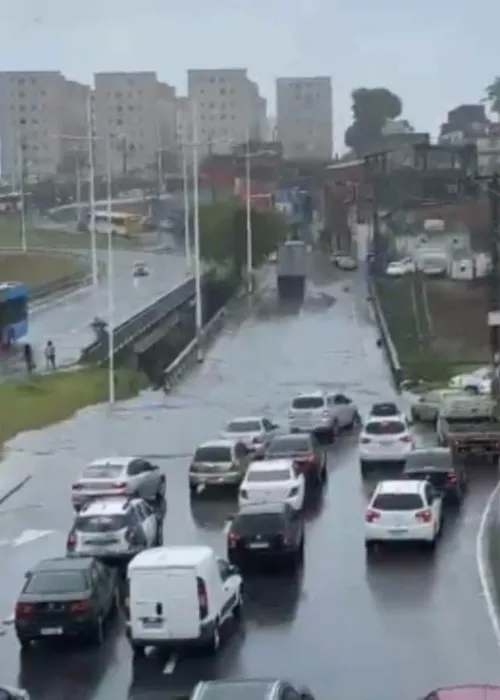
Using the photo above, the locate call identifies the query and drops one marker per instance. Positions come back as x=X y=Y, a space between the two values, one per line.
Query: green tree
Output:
x=492 y=97
x=223 y=235
x=371 y=109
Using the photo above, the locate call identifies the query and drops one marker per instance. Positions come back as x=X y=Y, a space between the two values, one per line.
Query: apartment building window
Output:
x=43 y=93
x=119 y=122
x=222 y=91
x=21 y=81
x=212 y=80
x=22 y=121
x=22 y=94
x=130 y=82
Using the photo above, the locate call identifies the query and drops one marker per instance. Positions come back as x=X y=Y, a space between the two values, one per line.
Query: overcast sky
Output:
x=434 y=54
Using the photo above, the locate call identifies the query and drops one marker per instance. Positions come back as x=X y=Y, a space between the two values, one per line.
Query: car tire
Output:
x=25 y=643
x=97 y=634
x=137 y=649
x=370 y=548
x=365 y=470
x=158 y=541
x=333 y=433
x=238 y=608
x=324 y=474
x=160 y=494
x=214 y=641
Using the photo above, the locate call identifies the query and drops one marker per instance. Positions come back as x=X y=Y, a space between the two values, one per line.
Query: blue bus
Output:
x=13 y=312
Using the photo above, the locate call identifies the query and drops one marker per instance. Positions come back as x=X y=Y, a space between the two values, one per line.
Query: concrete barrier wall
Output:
x=491 y=548
x=385 y=336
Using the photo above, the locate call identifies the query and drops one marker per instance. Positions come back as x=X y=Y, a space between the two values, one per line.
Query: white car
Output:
x=255 y=432
x=399 y=268
x=273 y=481
x=403 y=511
x=320 y=412
x=384 y=440
x=114 y=528
x=345 y=262
x=478 y=381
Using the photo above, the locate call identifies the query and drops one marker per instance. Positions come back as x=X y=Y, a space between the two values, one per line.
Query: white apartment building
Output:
x=229 y=108
x=305 y=117
x=135 y=114
x=38 y=110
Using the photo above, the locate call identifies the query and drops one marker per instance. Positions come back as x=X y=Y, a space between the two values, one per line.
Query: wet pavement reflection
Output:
x=392 y=629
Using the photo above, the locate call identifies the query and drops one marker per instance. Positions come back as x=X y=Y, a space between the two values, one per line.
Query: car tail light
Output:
x=372 y=515
x=424 y=516
x=24 y=610
x=451 y=477
x=406 y=439
x=243 y=493
x=293 y=492
x=77 y=487
x=202 y=598
x=309 y=461
x=232 y=539
x=80 y=606
x=120 y=486
x=365 y=440
x=71 y=541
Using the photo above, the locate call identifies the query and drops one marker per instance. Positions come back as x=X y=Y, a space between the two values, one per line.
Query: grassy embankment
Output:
x=50 y=398
x=403 y=303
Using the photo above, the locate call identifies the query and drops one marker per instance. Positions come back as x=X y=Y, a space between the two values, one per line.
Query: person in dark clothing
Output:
x=50 y=355
x=28 y=358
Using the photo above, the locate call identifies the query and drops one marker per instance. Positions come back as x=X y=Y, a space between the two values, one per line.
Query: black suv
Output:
x=66 y=597
x=435 y=464
x=269 y=533
x=385 y=409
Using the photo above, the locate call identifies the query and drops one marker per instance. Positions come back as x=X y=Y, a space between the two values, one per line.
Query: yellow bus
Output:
x=117 y=223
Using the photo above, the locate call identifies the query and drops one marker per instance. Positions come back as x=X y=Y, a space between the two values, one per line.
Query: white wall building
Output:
x=38 y=108
x=229 y=106
x=305 y=117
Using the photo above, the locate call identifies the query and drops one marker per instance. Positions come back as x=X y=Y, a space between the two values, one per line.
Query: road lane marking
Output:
x=30 y=536
x=488 y=596
x=169 y=667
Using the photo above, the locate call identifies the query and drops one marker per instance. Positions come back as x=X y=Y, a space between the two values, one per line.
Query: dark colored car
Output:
x=436 y=465
x=385 y=409
x=66 y=597
x=266 y=532
x=252 y=689
x=305 y=450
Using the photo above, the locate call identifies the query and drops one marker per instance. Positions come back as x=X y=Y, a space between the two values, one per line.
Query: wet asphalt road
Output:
x=394 y=630
x=66 y=321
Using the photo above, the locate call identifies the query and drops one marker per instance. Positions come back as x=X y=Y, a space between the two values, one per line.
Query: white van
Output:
x=180 y=595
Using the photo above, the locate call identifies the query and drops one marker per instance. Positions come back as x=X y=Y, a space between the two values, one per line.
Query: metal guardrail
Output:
x=389 y=347
x=58 y=286
x=141 y=322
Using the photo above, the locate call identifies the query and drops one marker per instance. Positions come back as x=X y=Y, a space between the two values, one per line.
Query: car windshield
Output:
x=304 y=402
x=244 y=426
x=398 y=501
x=384 y=409
x=213 y=454
x=290 y=446
x=392 y=427
x=101 y=523
x=251 y=524
x=103 y=471
x=271 y=475
x=56 y=582
x=419 y=460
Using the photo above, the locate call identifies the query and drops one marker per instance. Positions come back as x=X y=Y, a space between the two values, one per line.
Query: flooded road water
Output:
x=392 y=630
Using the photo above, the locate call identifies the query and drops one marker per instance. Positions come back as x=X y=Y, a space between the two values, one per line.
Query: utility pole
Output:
x=494 y=297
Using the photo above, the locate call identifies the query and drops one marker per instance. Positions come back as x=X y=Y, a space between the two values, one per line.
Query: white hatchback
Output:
x=385 y=440
x=407 y=511
x=273 y=481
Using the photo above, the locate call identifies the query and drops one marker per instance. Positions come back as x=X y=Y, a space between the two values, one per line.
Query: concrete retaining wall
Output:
x=385 y=336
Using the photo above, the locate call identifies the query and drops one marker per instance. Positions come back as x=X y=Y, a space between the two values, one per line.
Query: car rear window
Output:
x=398 y=501
x=56 y=582
x=267 y=476
x=102 y=523
x=303 y=402
x=259 y=522
x=389 y=427
x=244 y=426
x=103 y=471
x=384 y=409
x=213 y=454
x=290 y=446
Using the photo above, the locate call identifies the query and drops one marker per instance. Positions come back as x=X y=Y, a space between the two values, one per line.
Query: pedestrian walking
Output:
x=28 y=358
x=50 y=355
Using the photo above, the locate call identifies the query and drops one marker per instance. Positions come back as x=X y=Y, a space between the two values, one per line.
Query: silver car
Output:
x=119 y=476
x=255 y=432
x=219 y=463
x=426 y=407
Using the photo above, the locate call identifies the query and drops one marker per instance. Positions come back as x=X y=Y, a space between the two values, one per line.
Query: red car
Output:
x=465 y=692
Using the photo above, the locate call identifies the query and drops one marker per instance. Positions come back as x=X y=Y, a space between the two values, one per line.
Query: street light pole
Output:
x=111 y=324
x=248 y=185
x=196 y=213
x=93 y=241
x=187 y=232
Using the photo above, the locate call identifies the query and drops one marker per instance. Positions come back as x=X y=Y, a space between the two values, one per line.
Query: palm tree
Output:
x=493 y=95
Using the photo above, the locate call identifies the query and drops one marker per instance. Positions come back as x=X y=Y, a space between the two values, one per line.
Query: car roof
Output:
x=261 y=508
x=400 y=486
x=310 y=394
x=241 y=419
x=266 y=465
x=107 y=506
x=221 y=442
x=178 y=556
x=63 y=564
x=292 y=437
x=258 y=688
x=115 y=461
